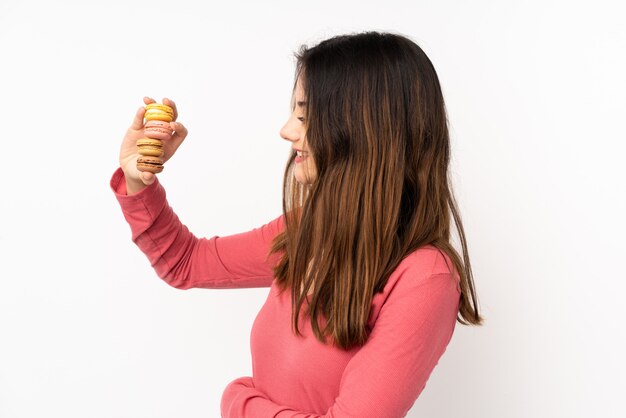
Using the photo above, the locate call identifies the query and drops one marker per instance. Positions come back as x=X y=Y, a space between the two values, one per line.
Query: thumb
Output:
x=138 y=119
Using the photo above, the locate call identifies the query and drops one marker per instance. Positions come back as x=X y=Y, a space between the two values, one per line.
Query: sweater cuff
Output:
x=151 y=199
x=150 y=193
x=242 y=399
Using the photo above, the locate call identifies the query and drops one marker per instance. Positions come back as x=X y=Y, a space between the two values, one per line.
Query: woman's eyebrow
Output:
x=301 y=103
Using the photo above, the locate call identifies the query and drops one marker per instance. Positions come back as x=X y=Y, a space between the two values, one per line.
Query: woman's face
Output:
x=294 y=131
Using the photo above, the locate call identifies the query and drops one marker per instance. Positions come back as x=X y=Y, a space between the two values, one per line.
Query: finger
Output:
x=138 y=119
x=147 y=100
x=171 y=104
x=180 y=132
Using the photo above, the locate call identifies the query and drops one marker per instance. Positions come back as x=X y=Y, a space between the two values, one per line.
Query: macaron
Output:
x=149 y=146
x=156 y=111
x=151 y=164
x=158 y=129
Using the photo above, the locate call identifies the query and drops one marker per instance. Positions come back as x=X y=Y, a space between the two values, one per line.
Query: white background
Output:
x=535 y=94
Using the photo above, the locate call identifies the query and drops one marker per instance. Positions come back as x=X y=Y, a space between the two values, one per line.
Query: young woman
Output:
x=365 y=286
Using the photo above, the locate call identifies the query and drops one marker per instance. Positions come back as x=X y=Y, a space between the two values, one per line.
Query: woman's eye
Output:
x=301 y=119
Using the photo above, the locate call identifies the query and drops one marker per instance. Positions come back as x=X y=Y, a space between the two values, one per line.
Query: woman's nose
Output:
x=289 y=132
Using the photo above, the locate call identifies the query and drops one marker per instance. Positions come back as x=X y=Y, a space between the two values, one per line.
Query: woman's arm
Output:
x=185 y=261
x=385 y=377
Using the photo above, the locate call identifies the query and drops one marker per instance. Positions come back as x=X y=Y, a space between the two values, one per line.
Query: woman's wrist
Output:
x=133 y=186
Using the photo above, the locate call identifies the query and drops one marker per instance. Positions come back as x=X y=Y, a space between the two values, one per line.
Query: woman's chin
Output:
x=305 y=174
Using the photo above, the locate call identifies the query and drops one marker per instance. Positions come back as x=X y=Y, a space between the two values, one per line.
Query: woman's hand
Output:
x=129 y=154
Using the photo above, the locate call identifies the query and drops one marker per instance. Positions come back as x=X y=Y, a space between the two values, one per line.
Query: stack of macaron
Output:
x=156 y=129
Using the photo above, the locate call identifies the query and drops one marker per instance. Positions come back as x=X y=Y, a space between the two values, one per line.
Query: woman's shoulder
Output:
x=423 y=270
x=422 y=264
x=427 y=261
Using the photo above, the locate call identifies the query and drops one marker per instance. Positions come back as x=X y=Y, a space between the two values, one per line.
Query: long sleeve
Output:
x=185 y=261
x=385 y=377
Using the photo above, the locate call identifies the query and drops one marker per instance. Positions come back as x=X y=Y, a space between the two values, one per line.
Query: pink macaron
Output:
x=157 y=129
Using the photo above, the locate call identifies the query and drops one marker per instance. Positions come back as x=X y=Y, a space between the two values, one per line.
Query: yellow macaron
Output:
x=156 y=111
x=151 y=147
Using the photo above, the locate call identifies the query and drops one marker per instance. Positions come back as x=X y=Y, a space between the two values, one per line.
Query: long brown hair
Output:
x=376 y=127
